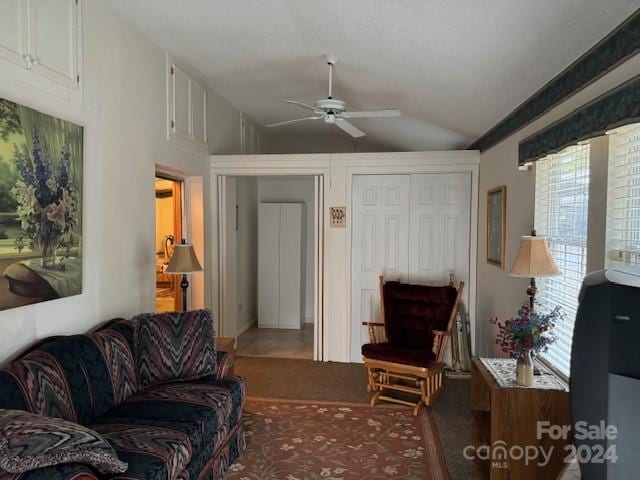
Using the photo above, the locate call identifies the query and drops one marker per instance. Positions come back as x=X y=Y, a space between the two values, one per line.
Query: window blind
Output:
x=561 y=212
x=623 y=197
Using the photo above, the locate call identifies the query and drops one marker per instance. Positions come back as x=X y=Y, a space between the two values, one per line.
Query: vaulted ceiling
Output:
x=454 y=67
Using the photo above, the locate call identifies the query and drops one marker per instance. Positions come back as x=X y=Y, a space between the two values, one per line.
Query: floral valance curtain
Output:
x=616 y=108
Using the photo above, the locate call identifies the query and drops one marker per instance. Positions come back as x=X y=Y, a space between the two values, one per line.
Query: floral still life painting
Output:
x=40 y=206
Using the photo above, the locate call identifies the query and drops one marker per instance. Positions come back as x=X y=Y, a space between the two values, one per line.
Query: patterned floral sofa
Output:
x=178 y=431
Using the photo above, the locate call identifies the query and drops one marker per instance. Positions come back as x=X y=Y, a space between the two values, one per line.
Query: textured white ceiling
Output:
x=454 y=67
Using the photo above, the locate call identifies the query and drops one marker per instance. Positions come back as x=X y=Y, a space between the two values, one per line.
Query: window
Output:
x=561 y=211
x=623 y=197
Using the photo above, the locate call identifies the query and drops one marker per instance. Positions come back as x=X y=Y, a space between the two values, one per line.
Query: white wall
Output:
x=319 y=142
x=300 y=190
x=498 y=293
x=124 y=114
x=247 y=251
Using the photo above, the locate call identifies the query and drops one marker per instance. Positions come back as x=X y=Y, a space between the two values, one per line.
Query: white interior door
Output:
x=290 y=267
x=379 y=246
x=268 y=265
x=415 y=228
x=440 y=227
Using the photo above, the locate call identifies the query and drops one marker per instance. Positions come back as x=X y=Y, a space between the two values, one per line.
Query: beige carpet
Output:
x=277 y=343
x=346 y=382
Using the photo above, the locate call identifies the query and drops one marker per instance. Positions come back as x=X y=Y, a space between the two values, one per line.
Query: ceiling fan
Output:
x=334 y=111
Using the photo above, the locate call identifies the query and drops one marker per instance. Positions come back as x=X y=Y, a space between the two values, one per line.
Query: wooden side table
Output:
x=508 y=417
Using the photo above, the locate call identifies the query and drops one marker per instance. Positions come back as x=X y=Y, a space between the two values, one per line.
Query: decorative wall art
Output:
x=496 y=225
x=40 y=206
x=338 y=217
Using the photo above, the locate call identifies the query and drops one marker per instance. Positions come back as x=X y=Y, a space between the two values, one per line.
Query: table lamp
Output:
x=534 y=260
x=183 y=261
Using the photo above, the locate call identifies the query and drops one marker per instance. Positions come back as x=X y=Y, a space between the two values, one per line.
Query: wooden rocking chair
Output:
x=417 y=324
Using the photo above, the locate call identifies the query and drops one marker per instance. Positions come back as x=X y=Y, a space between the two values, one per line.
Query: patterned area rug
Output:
x=292 y=440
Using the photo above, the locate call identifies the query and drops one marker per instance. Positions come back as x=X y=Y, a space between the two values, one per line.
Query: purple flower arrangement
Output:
x=528 y=331
x=47 y=200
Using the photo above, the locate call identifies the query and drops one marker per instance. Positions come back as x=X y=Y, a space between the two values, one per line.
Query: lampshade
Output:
x=534 y=259
x=183 y=260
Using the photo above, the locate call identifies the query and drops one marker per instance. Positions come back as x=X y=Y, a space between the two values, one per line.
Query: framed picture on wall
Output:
x=496 y=225
x=40 y=206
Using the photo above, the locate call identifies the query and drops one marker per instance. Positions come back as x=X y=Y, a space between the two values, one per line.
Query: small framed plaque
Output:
x=338 y=217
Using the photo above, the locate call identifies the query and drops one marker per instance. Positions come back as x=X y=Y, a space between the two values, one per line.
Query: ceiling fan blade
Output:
x=372 y=114
x=278 y=124
x=351 y=129
x=304 y=105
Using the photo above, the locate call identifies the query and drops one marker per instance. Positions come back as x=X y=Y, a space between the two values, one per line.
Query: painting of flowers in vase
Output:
x=40 y=206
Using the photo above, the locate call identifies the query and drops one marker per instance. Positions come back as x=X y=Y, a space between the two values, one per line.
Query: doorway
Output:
x=270 y=262
x=169 y=231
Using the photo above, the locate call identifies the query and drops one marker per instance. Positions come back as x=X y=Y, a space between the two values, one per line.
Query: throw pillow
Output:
x=29 y=441
x=174 y=346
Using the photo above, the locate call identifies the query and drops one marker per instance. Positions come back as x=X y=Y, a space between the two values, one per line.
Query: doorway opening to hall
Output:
x=270 y=264
x=169 y=232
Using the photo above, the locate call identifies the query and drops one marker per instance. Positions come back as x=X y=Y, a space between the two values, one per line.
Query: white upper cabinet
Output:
x=13 y=33
x=249 y=137
x=199 y=112
x=42 y=37
x=53 y=42
x=187 y=107
x=181 y=102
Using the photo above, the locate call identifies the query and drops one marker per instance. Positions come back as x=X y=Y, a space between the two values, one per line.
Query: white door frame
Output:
x=337 y=171
x=258 y=167
x=191 y=215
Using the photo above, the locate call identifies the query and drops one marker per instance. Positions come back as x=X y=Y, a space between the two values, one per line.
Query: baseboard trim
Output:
x=308 y=320
x=243 y=328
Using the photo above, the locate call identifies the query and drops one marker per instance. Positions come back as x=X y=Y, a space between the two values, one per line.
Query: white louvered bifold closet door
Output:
x=415 y=228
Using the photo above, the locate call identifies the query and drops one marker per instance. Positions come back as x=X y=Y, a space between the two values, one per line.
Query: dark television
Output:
x=605 y=375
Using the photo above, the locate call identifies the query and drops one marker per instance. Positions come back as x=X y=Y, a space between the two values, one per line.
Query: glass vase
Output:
x=524 y=369
x=48 y=250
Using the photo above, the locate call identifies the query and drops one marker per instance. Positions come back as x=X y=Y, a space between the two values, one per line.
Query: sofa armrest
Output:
x=225 y=364
x=66 y=471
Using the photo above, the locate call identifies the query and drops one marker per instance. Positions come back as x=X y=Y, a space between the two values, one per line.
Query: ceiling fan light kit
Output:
x=334 y=111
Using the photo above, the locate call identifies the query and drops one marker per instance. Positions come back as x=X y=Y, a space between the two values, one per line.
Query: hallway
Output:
x=277 y=343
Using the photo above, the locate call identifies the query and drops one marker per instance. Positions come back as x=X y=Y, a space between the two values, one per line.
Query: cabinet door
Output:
x=13 y=31
x=268 y=264
x=199 y=113
x=53 y=40
x=290 y=266
x=180 y=102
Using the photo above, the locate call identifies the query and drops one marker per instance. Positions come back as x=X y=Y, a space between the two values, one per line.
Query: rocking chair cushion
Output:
x=413 y=311
x=388 y=353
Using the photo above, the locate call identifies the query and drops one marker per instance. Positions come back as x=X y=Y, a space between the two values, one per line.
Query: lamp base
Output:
x=184 y=284
x=532 y=290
